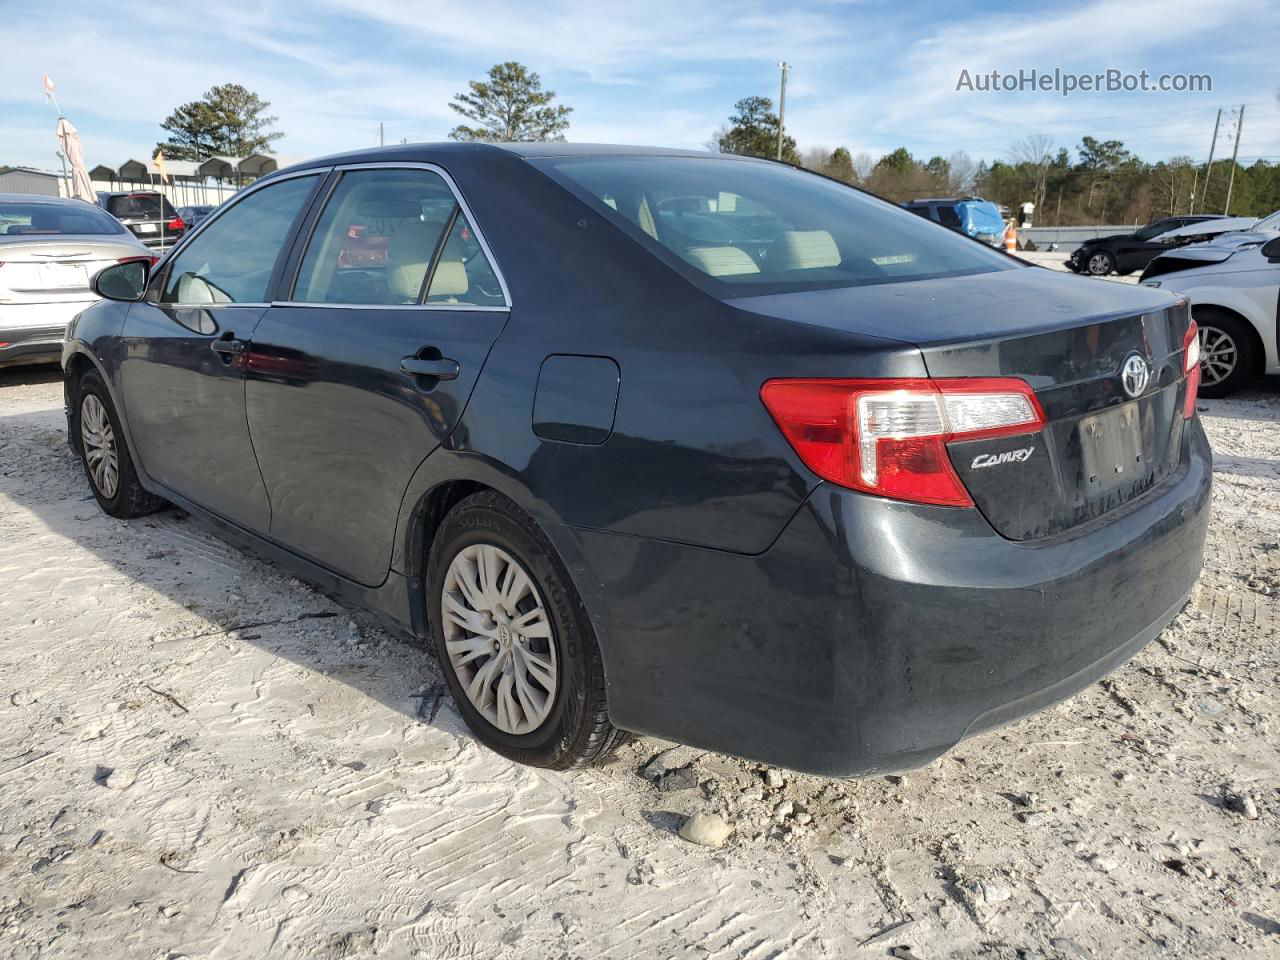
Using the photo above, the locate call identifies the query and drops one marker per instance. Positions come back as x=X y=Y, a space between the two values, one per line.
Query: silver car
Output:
x=49 y=249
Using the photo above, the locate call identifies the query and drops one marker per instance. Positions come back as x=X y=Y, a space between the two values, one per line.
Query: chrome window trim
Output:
x=445 y=307
x=471 y=221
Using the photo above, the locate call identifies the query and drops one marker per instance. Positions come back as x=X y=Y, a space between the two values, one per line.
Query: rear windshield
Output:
x=742 y=228
x=139 y=206
x=49 y=219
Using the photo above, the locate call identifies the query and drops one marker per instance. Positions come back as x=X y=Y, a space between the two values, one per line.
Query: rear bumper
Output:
x=33 y=332
x=873 y=636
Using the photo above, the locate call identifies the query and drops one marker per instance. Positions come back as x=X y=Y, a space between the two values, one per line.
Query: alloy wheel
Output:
x=1099 y=264
x=1218 y=355
x=498 y=637
x=98 y=440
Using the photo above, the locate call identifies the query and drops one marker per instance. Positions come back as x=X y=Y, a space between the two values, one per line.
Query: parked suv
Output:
x=690 y=445
x=148 y=215
x=972 y=216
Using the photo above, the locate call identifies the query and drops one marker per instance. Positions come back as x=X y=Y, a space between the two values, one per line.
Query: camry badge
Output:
x=1135 y=374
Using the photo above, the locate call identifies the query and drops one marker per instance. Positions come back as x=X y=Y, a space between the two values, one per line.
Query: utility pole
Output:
x=1235 y=150
x=1208 y=169
x=782 y=104
x=381 y=141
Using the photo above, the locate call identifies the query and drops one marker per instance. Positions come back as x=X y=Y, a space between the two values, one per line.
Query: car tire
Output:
x=537 y=699
x=1099 y=264
x=105 y=454
x=1228 y=352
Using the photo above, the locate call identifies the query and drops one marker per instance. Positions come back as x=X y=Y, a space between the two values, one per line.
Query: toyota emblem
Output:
x=1135 y=374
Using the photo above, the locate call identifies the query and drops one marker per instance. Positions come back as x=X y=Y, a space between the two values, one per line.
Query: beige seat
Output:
x=448 y=282
x=721 y=261
x=804 y=250
x=409 y=256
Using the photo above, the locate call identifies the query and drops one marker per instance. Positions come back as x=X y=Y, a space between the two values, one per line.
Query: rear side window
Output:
x=231 y=260
x=740 y=227
x=463 y=274
x=391 y=237
x=140 y=206
x=948 y=217
x=52 y=219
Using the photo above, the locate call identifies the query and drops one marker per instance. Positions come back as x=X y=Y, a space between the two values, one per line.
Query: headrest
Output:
x=804 y=250
x=449 y=280
x=721 y=261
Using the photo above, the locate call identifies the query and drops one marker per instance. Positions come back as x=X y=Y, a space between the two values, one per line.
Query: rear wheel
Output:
x=514 y=639
x=107 y=461
x=1100 y=263
x=1228 y=354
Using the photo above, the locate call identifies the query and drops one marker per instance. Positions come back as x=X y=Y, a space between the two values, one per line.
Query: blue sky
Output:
x=869 y=76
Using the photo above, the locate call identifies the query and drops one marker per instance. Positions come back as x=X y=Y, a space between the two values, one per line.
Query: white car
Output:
x=49 y=249
x=1234 y=284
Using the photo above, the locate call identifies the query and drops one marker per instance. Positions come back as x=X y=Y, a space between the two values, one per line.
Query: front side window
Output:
x=741 y=228
x=391 y=237
x=231 y=260
x=1153 y=230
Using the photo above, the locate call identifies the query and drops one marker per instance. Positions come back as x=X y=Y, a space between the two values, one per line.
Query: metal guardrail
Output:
x=1068 y=238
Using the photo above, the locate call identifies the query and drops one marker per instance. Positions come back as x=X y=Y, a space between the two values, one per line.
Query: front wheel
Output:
x=1228 y=357
x=1100 y=264
x=105 y=454
x=514 y=639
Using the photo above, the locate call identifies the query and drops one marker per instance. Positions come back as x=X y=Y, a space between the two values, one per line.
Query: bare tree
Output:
x=960 y=173
x=863 y=164
x=1034 y=151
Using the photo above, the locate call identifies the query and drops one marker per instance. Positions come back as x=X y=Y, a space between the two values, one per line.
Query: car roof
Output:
x=37 y=198
x=440 y=152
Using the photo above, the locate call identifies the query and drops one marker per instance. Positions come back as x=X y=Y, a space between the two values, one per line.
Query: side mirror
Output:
x=125 y=281
x=1271 y=249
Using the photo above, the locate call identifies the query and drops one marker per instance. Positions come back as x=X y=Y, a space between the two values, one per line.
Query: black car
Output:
x=147 y=214
x=192 y=215
x=1124 y=253
x=690 y=445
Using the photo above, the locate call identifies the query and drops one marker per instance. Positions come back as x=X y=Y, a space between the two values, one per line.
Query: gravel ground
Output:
x=201 y=757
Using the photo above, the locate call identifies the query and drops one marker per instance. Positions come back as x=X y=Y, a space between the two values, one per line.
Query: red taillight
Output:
x=177 y=223
x=1191 y=367
x=150 y=258
x=889 y=437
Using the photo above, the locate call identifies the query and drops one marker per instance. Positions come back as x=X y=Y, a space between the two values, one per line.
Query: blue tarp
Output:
x=980 y=218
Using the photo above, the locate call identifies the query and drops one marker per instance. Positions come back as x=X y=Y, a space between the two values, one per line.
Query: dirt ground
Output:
x=200 y=757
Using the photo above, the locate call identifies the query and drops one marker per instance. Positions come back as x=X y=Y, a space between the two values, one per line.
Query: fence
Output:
x=182 y=193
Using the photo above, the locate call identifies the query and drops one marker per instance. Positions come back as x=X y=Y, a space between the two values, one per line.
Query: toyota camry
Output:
x=663 y=442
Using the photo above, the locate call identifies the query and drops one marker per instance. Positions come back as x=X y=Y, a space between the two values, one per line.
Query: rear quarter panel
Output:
x=693 y=456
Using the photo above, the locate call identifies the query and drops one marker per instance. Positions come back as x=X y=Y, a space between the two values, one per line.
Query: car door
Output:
x=1136 y=251
x=364 y=367
x=182 y=374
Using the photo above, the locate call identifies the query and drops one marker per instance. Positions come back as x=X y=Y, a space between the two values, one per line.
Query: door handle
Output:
x=227 y=346
x=441 y=369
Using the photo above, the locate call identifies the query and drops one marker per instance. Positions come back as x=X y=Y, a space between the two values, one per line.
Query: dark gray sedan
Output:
x=695 y=446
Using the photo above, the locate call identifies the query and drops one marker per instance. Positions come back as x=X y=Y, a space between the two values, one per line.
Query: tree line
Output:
x=1095 y=181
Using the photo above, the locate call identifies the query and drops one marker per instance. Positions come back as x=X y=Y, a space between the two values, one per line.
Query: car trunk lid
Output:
x=1103 y=445
x=52 y=271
